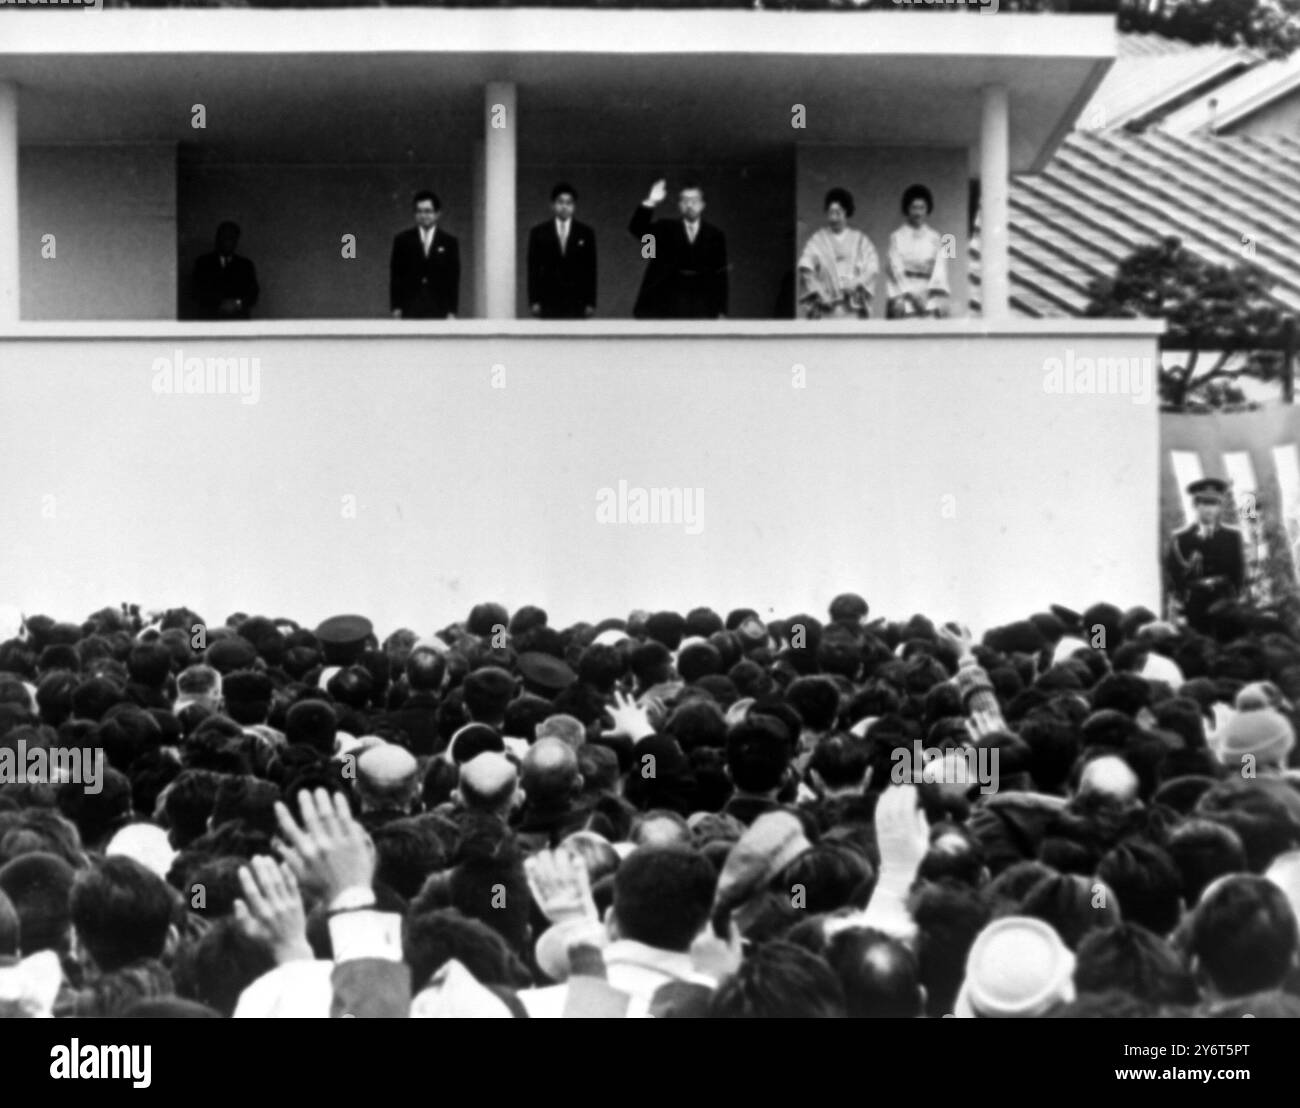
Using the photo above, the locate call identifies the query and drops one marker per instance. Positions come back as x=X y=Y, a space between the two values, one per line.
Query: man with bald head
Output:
x=1109 y=776
x=880 y=975
x=553 y=804
x=489 y=786
x=388 y=784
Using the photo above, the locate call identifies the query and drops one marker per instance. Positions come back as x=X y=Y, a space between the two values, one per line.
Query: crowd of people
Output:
x=666 y=815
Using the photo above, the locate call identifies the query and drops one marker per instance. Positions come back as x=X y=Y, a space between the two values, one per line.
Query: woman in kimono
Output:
x=916 y=275
x=838 y=266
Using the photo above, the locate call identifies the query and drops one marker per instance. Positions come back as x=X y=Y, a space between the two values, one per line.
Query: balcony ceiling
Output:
x=397 y=85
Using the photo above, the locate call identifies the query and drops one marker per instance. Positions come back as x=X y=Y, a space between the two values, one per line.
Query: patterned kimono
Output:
x=916 y=279
x=836 y=274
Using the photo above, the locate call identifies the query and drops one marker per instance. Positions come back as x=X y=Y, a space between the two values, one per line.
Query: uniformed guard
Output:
x=1206 y=560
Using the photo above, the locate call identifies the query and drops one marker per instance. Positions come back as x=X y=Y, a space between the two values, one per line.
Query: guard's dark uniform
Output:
x=1206 y=568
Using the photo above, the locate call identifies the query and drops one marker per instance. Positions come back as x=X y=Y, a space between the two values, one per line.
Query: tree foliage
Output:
x=1271 y=26
x=1224 y=310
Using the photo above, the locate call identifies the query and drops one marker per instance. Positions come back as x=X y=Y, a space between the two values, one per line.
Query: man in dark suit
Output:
x=225 y=284
x=687 y=275
x=562 y=262
x=1206 y=560
x=424 y=270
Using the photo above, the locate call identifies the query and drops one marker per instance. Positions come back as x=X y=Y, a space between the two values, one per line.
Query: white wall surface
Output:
x=929 y=471
x=112 y=212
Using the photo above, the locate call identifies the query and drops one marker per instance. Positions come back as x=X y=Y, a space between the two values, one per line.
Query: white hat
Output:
x=1018 y=966
x=147 y=844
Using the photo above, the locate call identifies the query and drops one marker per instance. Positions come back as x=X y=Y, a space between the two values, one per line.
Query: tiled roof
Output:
x=1152 y=73
x=1104 y=194
x=1236 y=99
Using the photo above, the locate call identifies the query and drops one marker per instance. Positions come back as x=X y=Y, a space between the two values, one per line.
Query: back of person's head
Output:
x=758 y=754
x=600 y=666
x=94 y=696
x=39 y=887
x=99 y=814
x=488 y=883
x=487 y=619
x=817 y=701
x=661 y=827
x=489 y=783
x=244 y=797
x=1261 y=820
x=425 y=670
x=125 y=733
x=187 y=804
x=487 y=691
x=1203 y=851
x=840 y=761
x=312 y=723
x=1147 y=883
x=697 y=723
x=880 y=975
x=1009 y=887
x=431 y=939
x=954 y=855
x=697 y=660
x=779 y=980
x=826 y=878
x=1053 y=747
x=406 y=852
x=550 y=774
x=121 y=912
x=388 y=778
x=668 y=628
x=54 y=696
x=218 y=966
x=1072 y=904
x=1128 y=957
x=525 y=713
x=651 y=663
x=948 y=916
x=149 y=664
x=663 y=895
x=1243 y=935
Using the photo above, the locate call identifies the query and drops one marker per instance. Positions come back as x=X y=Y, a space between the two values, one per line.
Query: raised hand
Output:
x=902 y=831
x=561 y=886
x=630 y=720
x=658 y=191
x=271 y=909
x=331 y=851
